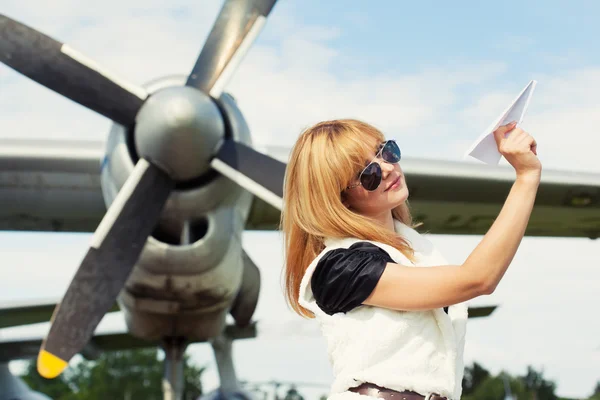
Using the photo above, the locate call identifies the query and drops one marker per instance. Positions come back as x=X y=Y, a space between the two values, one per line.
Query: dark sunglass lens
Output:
x=371 y=177
x=391 y=152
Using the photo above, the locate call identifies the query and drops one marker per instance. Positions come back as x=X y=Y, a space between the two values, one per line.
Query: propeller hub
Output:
x=178 y=129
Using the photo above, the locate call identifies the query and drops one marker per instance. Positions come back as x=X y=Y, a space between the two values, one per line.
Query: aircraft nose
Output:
x=179 y=129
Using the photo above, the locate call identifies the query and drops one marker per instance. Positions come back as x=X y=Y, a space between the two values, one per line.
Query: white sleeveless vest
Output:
x=420 y=351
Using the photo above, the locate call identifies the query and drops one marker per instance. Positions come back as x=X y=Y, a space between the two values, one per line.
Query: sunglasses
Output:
x=370 y=177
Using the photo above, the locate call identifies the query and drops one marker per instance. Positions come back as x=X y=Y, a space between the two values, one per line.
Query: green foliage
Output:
x=494 y=388
x=131 y=374
x=473 y=377
x=293 y=394
x=540 y=388
x=479 y=384
x=137 y=374
x=57 y=389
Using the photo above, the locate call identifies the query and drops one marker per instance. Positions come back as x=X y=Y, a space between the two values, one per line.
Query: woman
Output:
x=393 y=331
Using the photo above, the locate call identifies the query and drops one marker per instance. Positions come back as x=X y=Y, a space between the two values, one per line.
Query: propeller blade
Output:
x=234 y=31
x=480 y=312
x=114 y=250
x=258 y=173
x=63 y=70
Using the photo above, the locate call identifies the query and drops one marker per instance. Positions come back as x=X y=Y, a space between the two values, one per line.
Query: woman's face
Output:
x=390 y=193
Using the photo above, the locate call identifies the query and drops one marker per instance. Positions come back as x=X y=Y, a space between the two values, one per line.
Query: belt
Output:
x=370 y=389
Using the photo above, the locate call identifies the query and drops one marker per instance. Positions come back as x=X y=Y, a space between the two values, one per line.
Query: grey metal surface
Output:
x=50 y=185
x=481 y=311
x=30 y=312
x=190 y=271
x=246 y=300
x=184 y=290
x=22 y=348
x=235 y=21
x=173 y=378
x=464 y=198
x=190 y=202
x=261 y=169
x=13 y=388
x=178 y=129
x=52 y=156
x=223 y=352
x=114 y=250
x=41 y=189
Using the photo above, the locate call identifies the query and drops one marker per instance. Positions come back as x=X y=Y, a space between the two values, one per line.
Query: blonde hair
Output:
x=324 y=160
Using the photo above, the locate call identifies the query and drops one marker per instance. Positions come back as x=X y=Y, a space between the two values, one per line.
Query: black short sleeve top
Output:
x=344 y=278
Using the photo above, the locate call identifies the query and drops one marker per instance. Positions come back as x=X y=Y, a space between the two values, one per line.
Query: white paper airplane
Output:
x=485 y=148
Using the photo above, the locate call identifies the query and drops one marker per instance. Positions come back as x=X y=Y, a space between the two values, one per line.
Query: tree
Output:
x=493 y=388
x=130 y=374
x=473 y=377
x=479 y=384
x=293 y=394
x=57 y=389
x=540 y=388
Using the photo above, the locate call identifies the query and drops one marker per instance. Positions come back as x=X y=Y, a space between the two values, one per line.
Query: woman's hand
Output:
x=520 y=150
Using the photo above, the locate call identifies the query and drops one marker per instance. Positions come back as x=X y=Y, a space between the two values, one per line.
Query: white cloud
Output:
x=289 y=80
x=292 y=79
x=563 y=116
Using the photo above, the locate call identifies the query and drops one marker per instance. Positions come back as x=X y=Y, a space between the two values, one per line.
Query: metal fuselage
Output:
x=13 y=388
x=191 y=271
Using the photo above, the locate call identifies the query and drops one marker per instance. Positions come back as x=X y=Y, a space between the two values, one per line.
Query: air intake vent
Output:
x=189 y=233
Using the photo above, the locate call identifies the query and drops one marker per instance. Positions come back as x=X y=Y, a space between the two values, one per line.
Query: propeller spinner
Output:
x=176 y=118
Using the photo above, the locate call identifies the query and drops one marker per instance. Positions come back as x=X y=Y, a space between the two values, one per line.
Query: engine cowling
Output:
x=191 y=269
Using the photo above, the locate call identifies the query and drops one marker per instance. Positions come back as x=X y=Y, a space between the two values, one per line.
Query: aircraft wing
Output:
x=50 y=185
x=29 y=347
x=30 y=312
x=55 y=186
x=481 y=311
x=450 y=197
x=16 y=347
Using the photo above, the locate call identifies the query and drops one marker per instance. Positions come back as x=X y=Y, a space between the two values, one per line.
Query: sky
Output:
x=432 y=75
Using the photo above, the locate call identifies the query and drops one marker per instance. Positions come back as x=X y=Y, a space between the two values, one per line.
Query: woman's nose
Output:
x=386 y=168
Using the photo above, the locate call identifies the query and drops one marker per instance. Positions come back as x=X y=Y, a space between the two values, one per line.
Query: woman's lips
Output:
x=395 y=183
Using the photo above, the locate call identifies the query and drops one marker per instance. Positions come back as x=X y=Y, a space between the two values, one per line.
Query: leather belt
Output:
x=370 y=389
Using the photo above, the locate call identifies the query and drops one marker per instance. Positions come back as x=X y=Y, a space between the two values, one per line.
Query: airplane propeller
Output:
x=234 y=31
x=68 y=72
x=120 y=237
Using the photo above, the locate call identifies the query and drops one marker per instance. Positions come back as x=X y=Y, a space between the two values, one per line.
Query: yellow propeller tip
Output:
x=50 y=366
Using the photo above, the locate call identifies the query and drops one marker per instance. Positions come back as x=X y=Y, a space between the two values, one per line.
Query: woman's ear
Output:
x=345 y=201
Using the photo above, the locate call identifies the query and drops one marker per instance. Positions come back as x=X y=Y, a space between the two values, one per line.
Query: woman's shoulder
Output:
x=357 y=248
x=345 y=277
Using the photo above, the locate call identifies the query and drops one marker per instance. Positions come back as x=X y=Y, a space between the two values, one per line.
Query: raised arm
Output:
x=409 y=288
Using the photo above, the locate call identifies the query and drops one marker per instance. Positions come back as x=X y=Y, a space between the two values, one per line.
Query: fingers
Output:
x=511 y=139
x=517 y=135
x=501 y=131
x=523 y=139
x=529 y=143
x=518 y=142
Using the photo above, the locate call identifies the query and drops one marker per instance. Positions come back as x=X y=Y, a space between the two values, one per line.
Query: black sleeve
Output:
x=344 y=278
